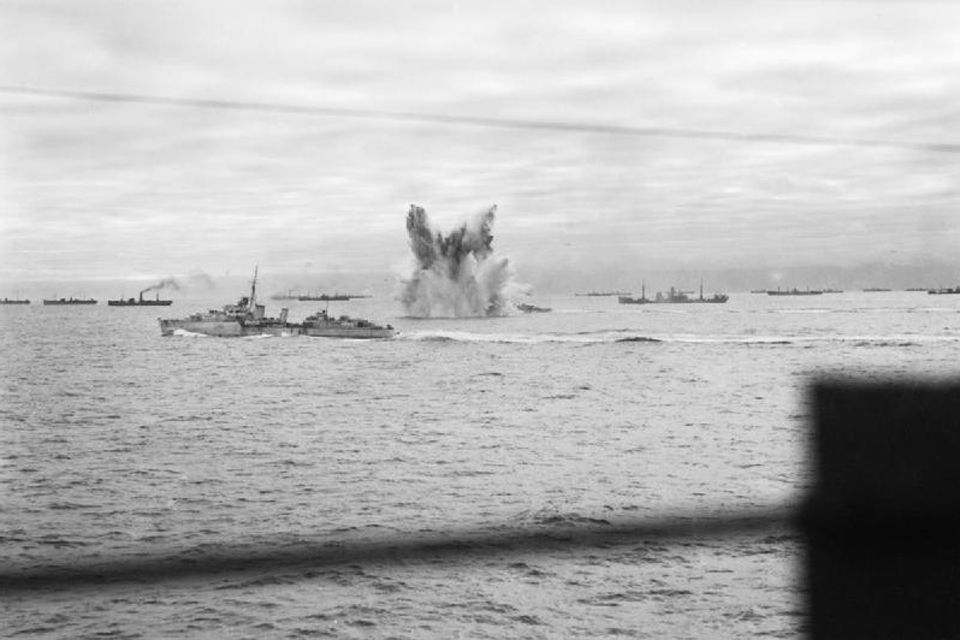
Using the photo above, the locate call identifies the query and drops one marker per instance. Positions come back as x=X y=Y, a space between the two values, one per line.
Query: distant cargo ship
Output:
x=876 y=289
x=601 y=294
x=317 y=297
x=324 y=297
x=942 y=291
x=674 y=296
x=795 y=292
x=59 y=301
x=140 y=302
x=14 y=301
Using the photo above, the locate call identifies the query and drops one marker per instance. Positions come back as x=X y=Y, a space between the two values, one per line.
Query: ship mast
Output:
x=253 y=289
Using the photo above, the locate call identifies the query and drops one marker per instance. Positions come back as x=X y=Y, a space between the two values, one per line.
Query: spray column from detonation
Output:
x=454 y=275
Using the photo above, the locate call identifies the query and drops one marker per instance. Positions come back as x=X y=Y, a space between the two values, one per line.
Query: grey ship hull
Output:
x=361 y=333
x=235 y=329
x=69 y=301
x=226 y=328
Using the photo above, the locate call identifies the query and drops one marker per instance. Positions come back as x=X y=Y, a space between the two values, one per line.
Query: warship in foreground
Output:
x=320 y=325
x=247 y=318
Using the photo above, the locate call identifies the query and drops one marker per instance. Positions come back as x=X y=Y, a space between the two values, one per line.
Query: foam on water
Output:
x=183 y=333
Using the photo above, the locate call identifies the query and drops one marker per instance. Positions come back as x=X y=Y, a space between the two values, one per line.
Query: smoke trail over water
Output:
x=455 y=275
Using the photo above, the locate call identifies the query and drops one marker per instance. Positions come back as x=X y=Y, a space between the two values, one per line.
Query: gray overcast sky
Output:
x=97 y=189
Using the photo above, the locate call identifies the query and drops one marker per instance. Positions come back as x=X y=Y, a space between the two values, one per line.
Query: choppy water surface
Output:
x=120 y=445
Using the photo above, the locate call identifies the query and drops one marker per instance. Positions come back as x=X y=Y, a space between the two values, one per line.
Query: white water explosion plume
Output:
x=455 y=275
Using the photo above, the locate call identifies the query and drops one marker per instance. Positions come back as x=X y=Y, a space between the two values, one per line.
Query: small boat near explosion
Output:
x=525 y=307
x=247 y=318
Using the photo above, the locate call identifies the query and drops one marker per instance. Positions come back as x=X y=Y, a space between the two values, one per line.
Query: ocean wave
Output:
x=590 y=337
x=626 y=336
x=568 y=519
x=607 y=336
x=886 y=343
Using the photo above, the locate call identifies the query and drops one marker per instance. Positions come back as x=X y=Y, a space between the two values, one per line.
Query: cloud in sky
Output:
x=113 y=189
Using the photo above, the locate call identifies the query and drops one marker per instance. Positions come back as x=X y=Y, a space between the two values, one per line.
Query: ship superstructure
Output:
x=247 y=318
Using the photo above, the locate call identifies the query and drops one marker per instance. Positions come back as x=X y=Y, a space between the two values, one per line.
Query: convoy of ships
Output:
x=248 y=318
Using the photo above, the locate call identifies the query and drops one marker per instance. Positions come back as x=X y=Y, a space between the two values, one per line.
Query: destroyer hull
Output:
x=227 y=329
x=234 y=329
x=247 y=318
x=360 y=333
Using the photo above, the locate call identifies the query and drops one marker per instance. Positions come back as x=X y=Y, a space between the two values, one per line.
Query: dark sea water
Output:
x=118 y=446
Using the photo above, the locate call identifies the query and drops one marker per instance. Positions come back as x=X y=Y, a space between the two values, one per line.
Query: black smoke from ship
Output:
x=455 y=275
x=163 y=284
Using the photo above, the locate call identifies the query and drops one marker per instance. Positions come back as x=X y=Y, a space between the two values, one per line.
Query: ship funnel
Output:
x=283 y=314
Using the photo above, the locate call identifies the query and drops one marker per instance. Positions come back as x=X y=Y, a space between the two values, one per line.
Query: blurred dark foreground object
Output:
x=884 y=517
